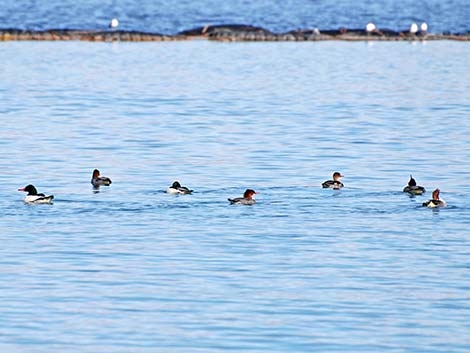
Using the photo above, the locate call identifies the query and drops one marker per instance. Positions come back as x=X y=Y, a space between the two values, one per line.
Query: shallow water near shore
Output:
x=131 y=268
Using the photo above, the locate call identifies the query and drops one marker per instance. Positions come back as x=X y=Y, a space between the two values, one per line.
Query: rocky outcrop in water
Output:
x=229 y=33
x=91 y=36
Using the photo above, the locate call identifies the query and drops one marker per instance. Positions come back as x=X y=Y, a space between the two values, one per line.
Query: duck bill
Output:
x=21 y=189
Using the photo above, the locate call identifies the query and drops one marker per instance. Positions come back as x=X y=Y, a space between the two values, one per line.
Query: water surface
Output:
x=172 y=17
x=133 y=269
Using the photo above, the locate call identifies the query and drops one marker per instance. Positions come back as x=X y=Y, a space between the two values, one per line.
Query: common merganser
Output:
x=98 y=180
x=435 y=202
x=176 y=188
x=335 y=183
x=33 y=196
x=247 y=198
x=414 y=189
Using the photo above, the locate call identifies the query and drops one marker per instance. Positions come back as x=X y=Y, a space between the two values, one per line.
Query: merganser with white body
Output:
x=436 y=201
x=247 y=198
x=414 y=189
x=33 y=197
x=335 y=183
x=98 y=180
x=176 y=188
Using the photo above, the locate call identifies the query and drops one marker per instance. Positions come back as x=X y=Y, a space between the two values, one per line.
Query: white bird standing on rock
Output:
x=424 y=27
x=114 y=23
x=414 y=28
x=370 y=27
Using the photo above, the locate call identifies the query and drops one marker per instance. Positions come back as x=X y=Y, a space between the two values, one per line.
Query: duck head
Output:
x=30 y=189
x=412 y=182
x=435 y=194
x=96 y=174
x=248 y=194
x=337 y=176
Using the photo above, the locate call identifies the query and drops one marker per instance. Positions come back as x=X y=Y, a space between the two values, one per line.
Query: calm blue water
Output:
x=170 y=17
x=132 y=269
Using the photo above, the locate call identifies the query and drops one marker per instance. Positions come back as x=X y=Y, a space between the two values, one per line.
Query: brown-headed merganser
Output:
x=247 y=198
x=33 y=196
x=436 y=201
x=98 y=180
x=412 y=188
x=176 y=188
x=335 y=183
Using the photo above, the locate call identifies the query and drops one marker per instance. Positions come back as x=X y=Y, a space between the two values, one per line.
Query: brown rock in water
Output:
x=230 y=33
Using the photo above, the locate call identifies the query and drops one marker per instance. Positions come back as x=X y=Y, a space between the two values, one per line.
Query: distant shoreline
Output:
x=226 y=33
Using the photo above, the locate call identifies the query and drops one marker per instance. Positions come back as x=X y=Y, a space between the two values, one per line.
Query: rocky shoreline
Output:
x=227 y=33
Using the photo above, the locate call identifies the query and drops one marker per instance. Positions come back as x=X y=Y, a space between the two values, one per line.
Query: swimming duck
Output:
x=176 y=188
x=435 y=202
x=247 y=198
x=33 y=197
x=98 y=180
x=335 y=183
x=414 y=189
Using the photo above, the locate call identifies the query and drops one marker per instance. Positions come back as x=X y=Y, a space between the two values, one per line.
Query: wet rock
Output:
x=231 y=32
x=230 y=29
